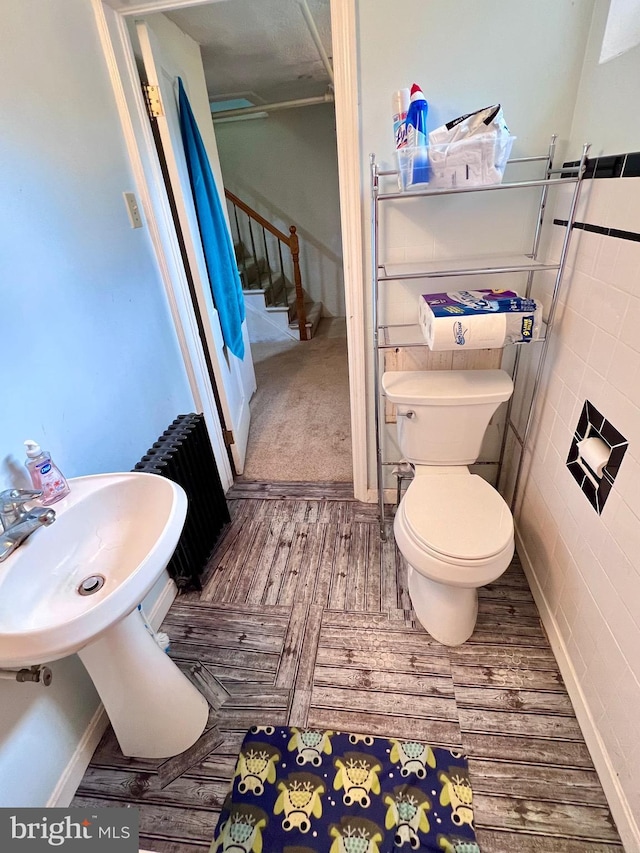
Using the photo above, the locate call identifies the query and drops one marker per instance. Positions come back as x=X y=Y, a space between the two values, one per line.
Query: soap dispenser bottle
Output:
x=45 y=475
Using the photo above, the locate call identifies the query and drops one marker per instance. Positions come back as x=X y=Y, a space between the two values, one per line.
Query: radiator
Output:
x=183 y=454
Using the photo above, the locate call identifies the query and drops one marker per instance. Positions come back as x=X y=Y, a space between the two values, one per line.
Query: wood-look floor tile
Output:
x=501 y=841
x=290 y=656
x=386 y=702
x=206 y=682
x=545 y=817
x=384 y=681
x=535 y=781
x=153 y=844
x=527 y=701
x=544 y=751
x=305 y=674
x=436 y=732
x=305 y=619
x=176 y=766
x=177 y=823
x=417 y=663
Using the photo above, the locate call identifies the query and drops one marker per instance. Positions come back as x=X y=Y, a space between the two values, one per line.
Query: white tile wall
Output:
x=588 y=566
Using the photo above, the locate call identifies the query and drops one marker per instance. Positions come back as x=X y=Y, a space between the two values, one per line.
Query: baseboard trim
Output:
x=371 y=496
x=618 y=803
x=71 y=777
x=162 y=604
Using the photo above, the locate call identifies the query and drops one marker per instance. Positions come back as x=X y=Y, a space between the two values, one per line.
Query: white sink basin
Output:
x=121 y=529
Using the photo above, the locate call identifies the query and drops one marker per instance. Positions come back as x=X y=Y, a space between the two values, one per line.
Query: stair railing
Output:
x=293 y=244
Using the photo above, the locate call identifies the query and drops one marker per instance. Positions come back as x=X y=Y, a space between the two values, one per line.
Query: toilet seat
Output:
x=457 y=518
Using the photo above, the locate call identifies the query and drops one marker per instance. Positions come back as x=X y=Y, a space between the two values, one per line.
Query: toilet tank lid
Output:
x=447 y=387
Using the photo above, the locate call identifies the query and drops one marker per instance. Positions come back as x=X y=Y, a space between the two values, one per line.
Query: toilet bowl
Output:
x=456 y=534
x=452 y=527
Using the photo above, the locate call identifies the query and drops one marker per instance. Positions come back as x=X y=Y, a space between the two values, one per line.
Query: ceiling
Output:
x=259 y=49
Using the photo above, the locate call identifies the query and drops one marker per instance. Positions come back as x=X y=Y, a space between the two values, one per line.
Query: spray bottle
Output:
x=399 y=108
x=417 y=138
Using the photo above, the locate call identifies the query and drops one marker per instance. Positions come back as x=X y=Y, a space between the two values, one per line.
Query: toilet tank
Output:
x=451 y=411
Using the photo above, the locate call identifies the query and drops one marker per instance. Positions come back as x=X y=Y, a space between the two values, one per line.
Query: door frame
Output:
x=114 y=38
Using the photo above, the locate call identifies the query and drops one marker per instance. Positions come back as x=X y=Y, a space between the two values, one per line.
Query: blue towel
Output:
x=216 y=242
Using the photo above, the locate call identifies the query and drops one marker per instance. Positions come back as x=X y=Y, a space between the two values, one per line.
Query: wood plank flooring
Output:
x=305 y=619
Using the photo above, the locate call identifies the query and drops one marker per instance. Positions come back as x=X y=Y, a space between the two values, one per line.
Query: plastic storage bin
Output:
x=474 y=162
x=413 y=168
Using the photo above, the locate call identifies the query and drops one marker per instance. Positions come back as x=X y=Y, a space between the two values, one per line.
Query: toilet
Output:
x=452 y=527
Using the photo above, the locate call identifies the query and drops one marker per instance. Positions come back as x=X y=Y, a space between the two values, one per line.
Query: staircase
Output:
x=270 y=301
x=277 y=308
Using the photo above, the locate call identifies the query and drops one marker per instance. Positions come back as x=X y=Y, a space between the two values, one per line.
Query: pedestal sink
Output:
x=75 y=587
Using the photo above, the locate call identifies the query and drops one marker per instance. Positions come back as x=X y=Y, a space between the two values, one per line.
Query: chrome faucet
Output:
x=18 y=522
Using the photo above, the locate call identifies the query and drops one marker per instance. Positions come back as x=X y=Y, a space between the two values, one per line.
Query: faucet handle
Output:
x=13 y=498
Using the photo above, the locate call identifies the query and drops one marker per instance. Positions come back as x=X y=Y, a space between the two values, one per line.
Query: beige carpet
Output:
x=300 y=423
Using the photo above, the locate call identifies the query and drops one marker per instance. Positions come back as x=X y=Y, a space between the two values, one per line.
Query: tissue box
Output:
x=473 y=162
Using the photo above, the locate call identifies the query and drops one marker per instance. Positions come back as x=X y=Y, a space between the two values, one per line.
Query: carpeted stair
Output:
x=270 y=299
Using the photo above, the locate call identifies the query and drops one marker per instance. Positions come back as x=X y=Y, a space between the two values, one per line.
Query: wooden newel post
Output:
x=294 y=247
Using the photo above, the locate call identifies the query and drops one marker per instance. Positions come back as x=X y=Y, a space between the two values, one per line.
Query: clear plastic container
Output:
x=477 y=161
x=413 y=168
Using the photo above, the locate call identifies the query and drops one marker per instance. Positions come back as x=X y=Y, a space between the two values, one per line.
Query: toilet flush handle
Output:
x=408 y=414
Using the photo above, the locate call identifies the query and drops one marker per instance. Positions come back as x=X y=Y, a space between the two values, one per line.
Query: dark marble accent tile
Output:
x=569 y=164
x=624 y=235
x=573 y=451
x=611 y=435
x=609 y=166
x=596 y=229
x=601 y=229
x=592 y=423
x=590 y=491
x=583 y=423
x=615 y=460
x=576 y=471
x=595 y=418
x=632 y=165
x=603 y=493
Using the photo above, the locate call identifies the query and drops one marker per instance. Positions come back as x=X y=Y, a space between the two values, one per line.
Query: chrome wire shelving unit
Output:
x=387 y=336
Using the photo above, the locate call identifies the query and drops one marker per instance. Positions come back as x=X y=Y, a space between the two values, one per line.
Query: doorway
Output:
x=281 y=162
x=115 y=42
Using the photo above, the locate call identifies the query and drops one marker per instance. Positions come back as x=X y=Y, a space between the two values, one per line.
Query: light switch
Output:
x=133 y=210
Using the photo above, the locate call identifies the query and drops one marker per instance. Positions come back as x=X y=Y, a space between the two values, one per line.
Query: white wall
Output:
x=465 y=55
x=585 y=568
x=91 y=367
x=285 y=166
x=606 y=113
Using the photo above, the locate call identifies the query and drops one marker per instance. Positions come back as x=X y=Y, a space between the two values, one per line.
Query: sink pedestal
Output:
x=156 y=712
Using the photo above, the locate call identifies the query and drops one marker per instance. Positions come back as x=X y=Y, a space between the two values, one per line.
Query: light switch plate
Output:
x=133 y=210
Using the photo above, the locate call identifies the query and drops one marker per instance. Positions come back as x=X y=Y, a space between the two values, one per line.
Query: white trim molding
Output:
x=147 y=7
x=72 y=775
x=111 y=18
x=345 y=53
x=618 y=803
x=151 y=188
